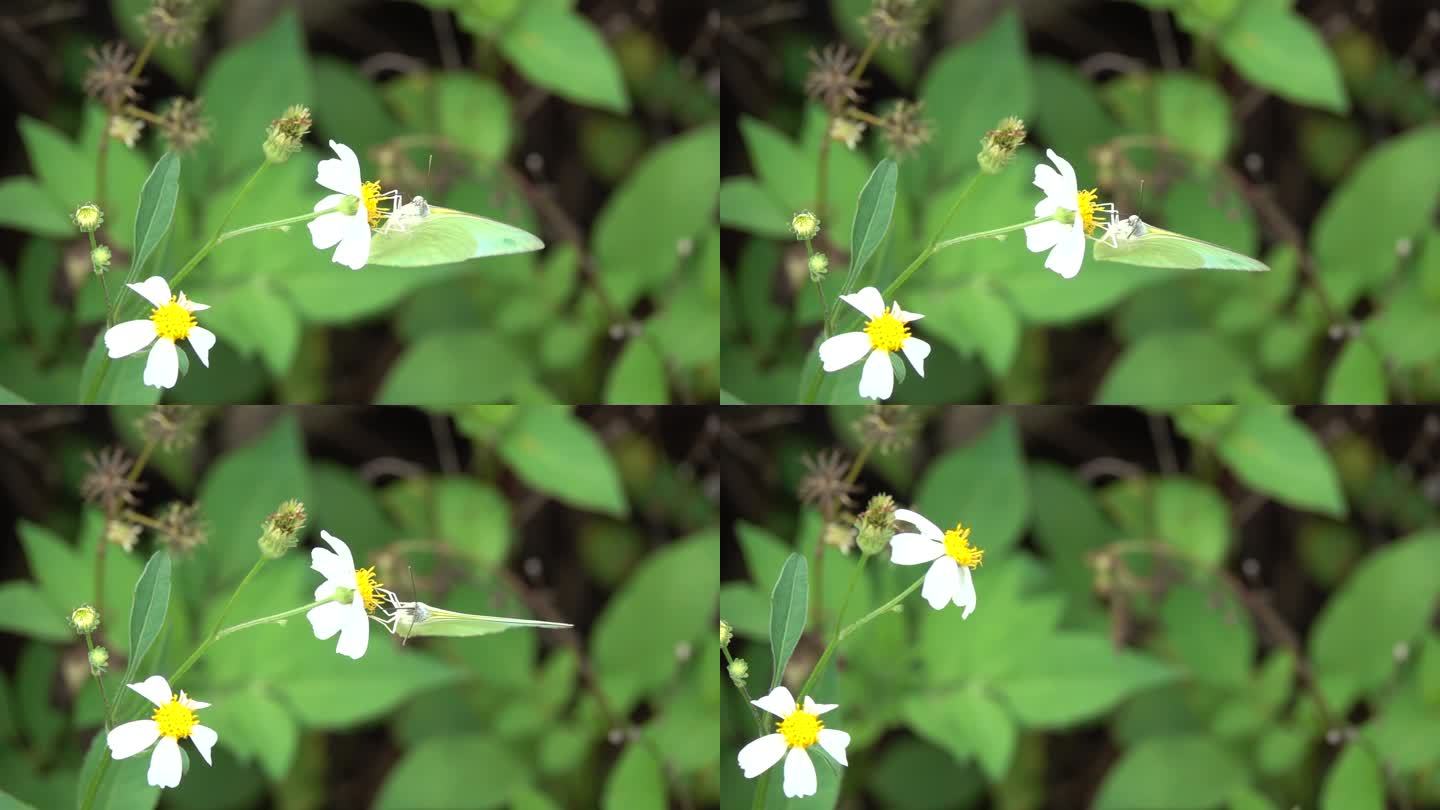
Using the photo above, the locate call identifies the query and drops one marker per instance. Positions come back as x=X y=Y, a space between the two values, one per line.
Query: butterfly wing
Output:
x=446 y=236
x=441 y=622
x=1157 y=247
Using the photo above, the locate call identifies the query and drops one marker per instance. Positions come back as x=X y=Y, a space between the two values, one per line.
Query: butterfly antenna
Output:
x=404 y=641
x=1141 y=204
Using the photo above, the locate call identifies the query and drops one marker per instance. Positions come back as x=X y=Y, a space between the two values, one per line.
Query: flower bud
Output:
x=876 y=525
x=282 y=529
x=725 y=634
x=818 y=265
x=100 y=258
x=805 y=225
x=99 y=660
x=739 y=671
x=286 y=133
x=999 y=145
x=88 y=217
x=85 y=619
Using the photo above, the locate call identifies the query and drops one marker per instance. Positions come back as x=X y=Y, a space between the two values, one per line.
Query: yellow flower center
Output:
x=172 y=320
x=372 y=198
x=1086 y=206
x=175 y=719
x=957 y=545
x=365 y=583
x=887 y=332
x=801 y=729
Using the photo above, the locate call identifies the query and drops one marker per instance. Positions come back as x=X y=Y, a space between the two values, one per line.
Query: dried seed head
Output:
x=107 y=483
x=876 y=525
x=287 y=134
x=108 y=80
x=896 y=23
x=829 y=81
x=184 y=124
x=173 y=427
x=181 y=528
x=905 y=129
x=999 y=145
x=281 y=531
x=824 y=483
x=174 y=22
x=888 y=427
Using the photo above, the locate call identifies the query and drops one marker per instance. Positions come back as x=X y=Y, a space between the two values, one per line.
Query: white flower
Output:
x=885 y=332
x=798 y=729
x=171 y=320
x=349 y=619
x=350 y=231
x=949 y=576
x=1066 y=242
x=174 y=720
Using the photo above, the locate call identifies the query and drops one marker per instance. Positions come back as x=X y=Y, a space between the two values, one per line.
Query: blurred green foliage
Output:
x=528 y=719
x=620 y=307
x=1241 y=630
x=1310 y=151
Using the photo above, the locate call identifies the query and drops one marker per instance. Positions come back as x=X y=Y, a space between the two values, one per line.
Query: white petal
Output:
x=125 y=339
x=187 y=701
x=940 y=582
x=818 y=708
x=1067 y=172
x=337 y=566
x=919 y=521
x=341 y=175
x=779 y=702
x=328 y=202
x=202 y=340
x=1069 y=252
x=841 y=351
x=965 y=594
x=191 y=305
x=165 y=765
x=758 y=755
x=327 y=231
x=204 y=738
x=799 y=774
x=162 y=367
x=877 y=381
x=912 y=549
x=1046 y=207
x=903 y=316
x=354 y=630
x=326 y=619
x=354 y=249
x=1054 y=185
x=154 y=689
x=153 y=289
x=867 y=301
x=131 y=738
x=916 y=350
x=834 y=742
x=1044 y=236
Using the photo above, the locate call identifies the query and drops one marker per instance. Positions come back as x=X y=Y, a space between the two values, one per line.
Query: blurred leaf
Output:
x=636 y=782
x=157 y=208
x=1192 y=517
x=147 y=610
x=474 y=114
x=633 y=644
x=1072 y=678
x=1357 y=377
x=966 y=722
x=975 y=319
x=981 y=485
x=347 y=107
x=24 y=612
x=258 y=727
x=562 y=52
x=1353 y=783
x=1194 y=115
x=474 y=519
x=638 y=376
x=789 y=607
x=256 y=319
x=30 y=208
x=470 y=770
x=961 y=105
x=1174 y=772
x=745 y=206
x=1173 y=368
x=1210 y=635
x=425 y=373
x=560 y=455
x=1275 y=454
x=783 y=169
x=1388 y=600
x=872 y=218
x=1277 y=49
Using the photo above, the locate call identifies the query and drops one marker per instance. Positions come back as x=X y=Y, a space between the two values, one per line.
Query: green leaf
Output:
x=24 y=612
x=1179 y=772
x=426 y=373
x=636 y=782
x=1277 y=49
x=561 y=51
x=783 y=169
x=1357 y=378
x=634 y=641
x=125 y=785
x=442 y=772
x=147 y=610
x=473 y=519
x=1210 y=635
x=746 y=206
x=28 y=207
x=559 y=455
x=1072 y=678
x=258 y=727
x=872 y=219
x=638 y=376
x=1173 y=368
x=255 y=318
x=1387 y=601
x=1354 y=782
x=976 y=319
x=966 y=722
x=789 y=607
x=474 y=113
x=1275 y=454
x=1192 y=517
x=1194 y=115
x=981 y=485
x=157 y=208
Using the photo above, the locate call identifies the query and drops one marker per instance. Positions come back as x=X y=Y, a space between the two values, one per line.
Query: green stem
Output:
x=945 y=223
x=843 y=634
x=278 y=617
x=762 y=786
x=90 y=645
x=219 y=620
x=730 y=661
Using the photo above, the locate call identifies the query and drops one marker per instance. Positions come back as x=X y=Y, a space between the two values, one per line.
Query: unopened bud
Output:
x=85 y=619
x=287 y=133
x=1000 y=144
x=99 y=660
x=88 y=217
x=805 y=225
x=818 y=265
x=876 y=525
x=100 y=258
x=282 y=529
x=739 y=671
x=725 y=634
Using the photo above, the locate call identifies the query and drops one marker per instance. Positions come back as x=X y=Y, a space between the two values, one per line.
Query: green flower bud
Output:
x=999 y=145
x=805 y=225
x=725 y=633
x=876 y=525
x=819 y=266
x=282 y=529
x=100 y=258
x=88 y=217
x=739 y=671
x=85 y=619
x=286 y=134
x=99 y=660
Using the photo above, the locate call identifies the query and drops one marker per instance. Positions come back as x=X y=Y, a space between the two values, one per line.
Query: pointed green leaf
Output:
x=147 y=611
x=789 y=606
x=157 y=208
x=872 y=218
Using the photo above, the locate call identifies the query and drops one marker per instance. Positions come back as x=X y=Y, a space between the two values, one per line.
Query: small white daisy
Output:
x=350 y=231
x=172 y=319
x=1066 y=242
x=885 y=332
x=174 y=719
x=949 y=576
x=797 y=730
x=350 y=619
